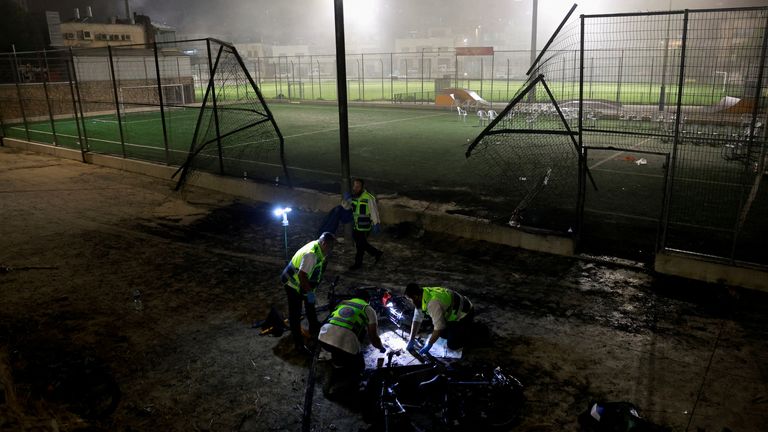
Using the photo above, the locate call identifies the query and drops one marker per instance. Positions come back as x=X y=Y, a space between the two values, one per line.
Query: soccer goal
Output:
x=138 y=98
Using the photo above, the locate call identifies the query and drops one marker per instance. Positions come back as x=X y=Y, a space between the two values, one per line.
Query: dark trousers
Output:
x=362 y=246
x=457 y=333
x=294 y=315
x=343 y=381
x=353 y=364
x=337 y=215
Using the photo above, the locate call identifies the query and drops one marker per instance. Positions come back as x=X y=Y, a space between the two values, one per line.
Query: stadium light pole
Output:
x=341 y=86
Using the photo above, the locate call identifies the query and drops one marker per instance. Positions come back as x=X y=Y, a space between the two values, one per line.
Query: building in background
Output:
x=253 y=50
x=88 y=32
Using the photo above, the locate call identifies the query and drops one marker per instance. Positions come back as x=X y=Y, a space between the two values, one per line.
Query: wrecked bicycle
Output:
x=438 y=396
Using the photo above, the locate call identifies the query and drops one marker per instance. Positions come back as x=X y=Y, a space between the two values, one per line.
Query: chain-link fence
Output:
x=670 y=112
x=144 y=102
x=633 y=132
x=392 y=77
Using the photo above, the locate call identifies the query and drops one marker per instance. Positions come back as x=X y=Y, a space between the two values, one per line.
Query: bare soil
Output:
x=128 y=307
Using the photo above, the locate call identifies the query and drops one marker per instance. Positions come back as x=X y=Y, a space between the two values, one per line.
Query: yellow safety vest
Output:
x=290 y=275
x=350 y=314
x=451 y=301
x=361 y=211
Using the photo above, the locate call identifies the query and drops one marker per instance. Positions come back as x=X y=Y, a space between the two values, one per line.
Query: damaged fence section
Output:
x=642 y=130
x=189 y=103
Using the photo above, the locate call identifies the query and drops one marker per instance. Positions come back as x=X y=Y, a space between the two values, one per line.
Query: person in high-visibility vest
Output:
x=346 y=328
x=452 y=315
x=365 y=219
x=300 y=277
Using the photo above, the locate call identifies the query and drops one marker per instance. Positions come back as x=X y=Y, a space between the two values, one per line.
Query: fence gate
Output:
x=623 y=216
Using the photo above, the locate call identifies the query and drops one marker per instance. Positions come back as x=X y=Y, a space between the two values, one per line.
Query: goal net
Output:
x=136 y=98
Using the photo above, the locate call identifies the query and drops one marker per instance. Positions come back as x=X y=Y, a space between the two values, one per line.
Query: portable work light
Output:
x=283 y=211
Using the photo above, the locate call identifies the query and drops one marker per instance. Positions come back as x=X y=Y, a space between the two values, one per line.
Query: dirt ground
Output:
x=128 y=307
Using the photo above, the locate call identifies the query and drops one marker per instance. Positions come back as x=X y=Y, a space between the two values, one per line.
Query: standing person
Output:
x=365 y=218
x=300 y=278
x=342 y=336
x=451 y=314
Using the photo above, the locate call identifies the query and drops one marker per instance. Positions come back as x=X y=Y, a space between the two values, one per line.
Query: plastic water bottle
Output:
x=137 y=300
x=277 y=181
x=245 y=175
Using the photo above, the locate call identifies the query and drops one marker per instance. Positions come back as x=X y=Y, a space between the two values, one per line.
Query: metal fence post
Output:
x=381 y=63
x=258 y=70
x=311 y=79
x=663 y=89
x=406 y=74
x=582 y=160
x=162 y=107
x=301 y=82
x=237 y=84
x=507 y=95
x=16 y=77
x=362 y=73
x=211 y=71
x=74 y=108
x=291 y=83
x=48 y=99
x=391 y=78
x=319 y=81
x=276 y=68
x=482 y=72
x=359 y=88
x=618 y=78
x=675 y=143
x=456 y=69
x=117 y=99
x=493 y=62
x=422 y=73
x=79 y=102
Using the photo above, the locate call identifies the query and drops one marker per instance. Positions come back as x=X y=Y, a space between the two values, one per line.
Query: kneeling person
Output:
x=451 y=314
x=344 y=331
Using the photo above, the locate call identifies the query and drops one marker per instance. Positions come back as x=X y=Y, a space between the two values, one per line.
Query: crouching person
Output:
x=452 y=316
x=342 y=335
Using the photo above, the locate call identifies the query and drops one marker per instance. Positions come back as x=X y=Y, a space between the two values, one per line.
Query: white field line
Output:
x=103 y=140
x=597 y=164
x=201 y=155
x=688 y=179
x=336 y=128
x=168 y=118
x=650 y=219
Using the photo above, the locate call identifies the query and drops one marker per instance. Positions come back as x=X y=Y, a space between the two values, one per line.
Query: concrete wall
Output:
x=35 y=106
x=97 y=96
x=703 y=269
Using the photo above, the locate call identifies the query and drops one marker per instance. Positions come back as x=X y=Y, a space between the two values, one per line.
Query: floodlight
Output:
x=281 y=211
